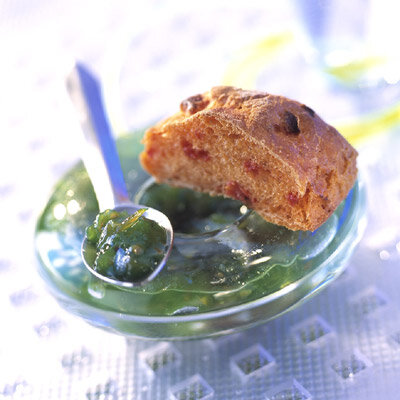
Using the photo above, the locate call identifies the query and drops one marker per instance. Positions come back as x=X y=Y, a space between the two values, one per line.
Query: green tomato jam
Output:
x=223 y=256
x=123 y=246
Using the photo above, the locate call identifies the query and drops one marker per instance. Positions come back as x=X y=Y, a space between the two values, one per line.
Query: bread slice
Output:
x=275 y=155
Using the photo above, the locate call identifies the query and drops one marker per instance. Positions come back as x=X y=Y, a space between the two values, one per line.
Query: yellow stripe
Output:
x=377 y=123
x=349 y=74
x=250 y=61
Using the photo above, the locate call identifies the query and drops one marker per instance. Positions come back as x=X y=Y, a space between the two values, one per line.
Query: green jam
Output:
x=223 y=255
x=191 y=212
x=122 y=246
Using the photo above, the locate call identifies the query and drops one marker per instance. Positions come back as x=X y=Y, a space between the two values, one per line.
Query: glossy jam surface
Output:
x=122 y=246
x=223 y=256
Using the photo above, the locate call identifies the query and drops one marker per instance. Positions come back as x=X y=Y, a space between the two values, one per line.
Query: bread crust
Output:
x=274 y=154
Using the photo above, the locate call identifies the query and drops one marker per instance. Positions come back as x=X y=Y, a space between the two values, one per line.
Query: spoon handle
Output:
x=100 y=153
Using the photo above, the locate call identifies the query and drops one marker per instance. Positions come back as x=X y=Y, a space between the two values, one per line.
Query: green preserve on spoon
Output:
x=128 y=244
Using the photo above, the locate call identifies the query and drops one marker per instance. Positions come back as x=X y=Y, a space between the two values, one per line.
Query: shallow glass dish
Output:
x=229 y=269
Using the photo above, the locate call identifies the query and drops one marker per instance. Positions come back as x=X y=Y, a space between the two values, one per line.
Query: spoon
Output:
x=103 y=166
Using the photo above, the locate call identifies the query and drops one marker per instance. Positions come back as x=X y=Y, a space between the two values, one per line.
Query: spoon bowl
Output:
x=151 y=214
x=103 y=166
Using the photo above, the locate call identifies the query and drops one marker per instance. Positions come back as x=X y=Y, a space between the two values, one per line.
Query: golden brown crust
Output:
x=274 y=154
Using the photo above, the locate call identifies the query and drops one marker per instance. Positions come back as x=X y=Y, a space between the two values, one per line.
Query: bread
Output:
x=275 y=155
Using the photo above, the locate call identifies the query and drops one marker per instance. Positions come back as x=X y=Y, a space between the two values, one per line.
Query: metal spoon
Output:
x=103 y=166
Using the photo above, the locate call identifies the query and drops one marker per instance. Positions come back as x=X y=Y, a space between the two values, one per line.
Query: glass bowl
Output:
x=229 y=269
